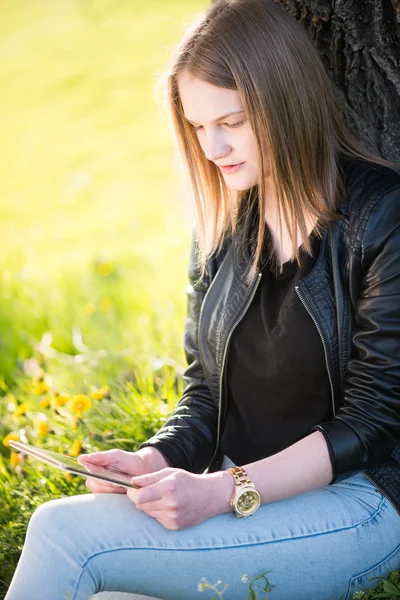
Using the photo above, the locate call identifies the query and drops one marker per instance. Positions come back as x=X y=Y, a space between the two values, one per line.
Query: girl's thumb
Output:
x=102 y=458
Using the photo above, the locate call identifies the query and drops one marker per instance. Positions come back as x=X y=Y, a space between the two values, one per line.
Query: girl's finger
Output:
x=161 y=518
x=145 y=495
x=165 y=521
x=150 y=478
x=103 y=458
x=151 y=507
x=99 y=488
x=102 y=483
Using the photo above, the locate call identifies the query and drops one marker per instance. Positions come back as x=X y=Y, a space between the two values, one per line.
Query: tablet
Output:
x=71 y=465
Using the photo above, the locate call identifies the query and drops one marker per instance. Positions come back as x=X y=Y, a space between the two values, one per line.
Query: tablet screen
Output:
x=68 y=463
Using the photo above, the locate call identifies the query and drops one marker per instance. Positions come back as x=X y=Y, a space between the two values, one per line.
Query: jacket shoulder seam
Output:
x=371 y=207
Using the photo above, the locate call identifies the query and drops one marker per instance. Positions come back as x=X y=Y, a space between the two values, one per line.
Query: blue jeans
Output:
x=320 y=545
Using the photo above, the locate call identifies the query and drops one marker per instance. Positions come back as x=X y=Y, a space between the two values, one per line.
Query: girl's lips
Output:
x=231 y=168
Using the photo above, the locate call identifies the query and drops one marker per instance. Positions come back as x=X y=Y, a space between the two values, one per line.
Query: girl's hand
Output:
x=133 y=463
x=179 y=499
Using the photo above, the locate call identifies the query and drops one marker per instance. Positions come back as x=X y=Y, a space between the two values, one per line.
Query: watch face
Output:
x=248 y=501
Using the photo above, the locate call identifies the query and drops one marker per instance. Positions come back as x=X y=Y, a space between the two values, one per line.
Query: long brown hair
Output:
x=260 y=50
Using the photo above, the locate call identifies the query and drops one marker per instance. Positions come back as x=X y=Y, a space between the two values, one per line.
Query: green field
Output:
x=95 y=225
x=88 y=176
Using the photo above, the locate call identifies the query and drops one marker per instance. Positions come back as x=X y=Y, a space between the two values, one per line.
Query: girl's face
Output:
x=222 y=129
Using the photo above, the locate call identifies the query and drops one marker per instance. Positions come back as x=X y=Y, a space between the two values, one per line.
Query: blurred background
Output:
x=95 y=227
x=95 y=222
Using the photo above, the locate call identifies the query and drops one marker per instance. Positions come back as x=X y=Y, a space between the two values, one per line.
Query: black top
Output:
x=276 y=378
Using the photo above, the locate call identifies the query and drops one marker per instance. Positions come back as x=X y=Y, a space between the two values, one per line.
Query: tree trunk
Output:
x=359 y=41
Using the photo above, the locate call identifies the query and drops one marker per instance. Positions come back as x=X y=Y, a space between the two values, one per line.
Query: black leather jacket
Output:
x=353 y=296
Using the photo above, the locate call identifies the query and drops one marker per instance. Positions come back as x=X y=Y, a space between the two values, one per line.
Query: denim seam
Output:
x=227 y=547
x=350 y=589
x=367 y=485
x=363 y=486
x=379 y=564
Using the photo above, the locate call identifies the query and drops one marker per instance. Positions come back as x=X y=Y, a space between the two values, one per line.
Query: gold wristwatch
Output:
x=245 y=499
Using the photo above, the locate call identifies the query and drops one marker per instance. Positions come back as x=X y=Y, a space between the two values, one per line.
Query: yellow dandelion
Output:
x=105 y=268
x=61 y=399
x=68 y=476
x=41 y=427
x=15 y=459
x=41 y=388
x=75 y=448
x=75 y=421
x=100 y=393
x=13 y=435
x=20 y=410
x=80 y=404
x=105 y=305
x=45 y=403
x=90 y=308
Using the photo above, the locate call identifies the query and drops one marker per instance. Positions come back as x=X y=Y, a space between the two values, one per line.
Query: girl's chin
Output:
x=240 y=184
x=238 y=187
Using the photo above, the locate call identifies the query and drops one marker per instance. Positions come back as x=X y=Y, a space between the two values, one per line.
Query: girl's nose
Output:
x=215 y=149
x=216 y=153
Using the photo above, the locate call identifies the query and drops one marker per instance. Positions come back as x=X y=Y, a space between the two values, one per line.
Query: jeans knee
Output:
x=47 y=517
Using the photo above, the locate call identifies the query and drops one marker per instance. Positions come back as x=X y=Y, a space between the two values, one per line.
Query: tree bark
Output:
x=359 y=42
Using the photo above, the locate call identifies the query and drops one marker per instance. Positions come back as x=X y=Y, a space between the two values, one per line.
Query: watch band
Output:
x=245 y=499
x=240 y=476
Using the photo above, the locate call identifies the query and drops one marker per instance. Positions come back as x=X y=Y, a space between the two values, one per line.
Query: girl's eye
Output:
x=234 y=124
x=231 y=126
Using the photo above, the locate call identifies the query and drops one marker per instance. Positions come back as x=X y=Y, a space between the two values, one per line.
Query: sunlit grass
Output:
x=87 y=174
x=86 y=165
x=95 y=227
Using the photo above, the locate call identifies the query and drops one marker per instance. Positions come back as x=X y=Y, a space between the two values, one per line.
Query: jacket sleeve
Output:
x=188 y=438
x=368 y=421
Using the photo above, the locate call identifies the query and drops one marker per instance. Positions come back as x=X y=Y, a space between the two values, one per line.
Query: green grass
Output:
x=95 y=228
x=87 y=171
x=93 y=215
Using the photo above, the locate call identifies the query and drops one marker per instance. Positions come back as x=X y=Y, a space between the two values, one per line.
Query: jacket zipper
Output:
x=259 y=275
x=330 y=381
x=323 y=343
x=382 y=492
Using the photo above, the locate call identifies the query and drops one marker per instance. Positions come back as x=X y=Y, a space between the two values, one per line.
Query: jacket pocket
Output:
x=383 y=569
